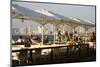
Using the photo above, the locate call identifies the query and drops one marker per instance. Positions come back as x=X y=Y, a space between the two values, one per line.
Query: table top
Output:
x=19 y=47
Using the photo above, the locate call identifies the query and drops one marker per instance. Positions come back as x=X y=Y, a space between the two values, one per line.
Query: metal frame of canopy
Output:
x=90 y=25
x=83 y=23
x=68 y=21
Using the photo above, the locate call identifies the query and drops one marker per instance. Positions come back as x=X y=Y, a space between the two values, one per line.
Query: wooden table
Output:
x=19 y=48
x=33 y=47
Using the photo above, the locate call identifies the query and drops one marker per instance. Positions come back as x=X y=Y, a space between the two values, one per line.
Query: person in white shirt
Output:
x=20 y=40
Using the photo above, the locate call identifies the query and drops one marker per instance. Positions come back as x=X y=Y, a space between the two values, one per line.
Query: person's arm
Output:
x=34 y=41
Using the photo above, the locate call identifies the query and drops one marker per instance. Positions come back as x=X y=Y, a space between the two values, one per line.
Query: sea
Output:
x=16 y=37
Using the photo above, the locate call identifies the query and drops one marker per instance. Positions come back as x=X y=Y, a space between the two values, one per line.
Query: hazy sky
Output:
x=81 y=12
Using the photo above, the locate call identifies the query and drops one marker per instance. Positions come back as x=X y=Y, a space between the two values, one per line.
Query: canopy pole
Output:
x=54 y=33
x=42 y=39
x=43 y=30
x=62 y=27
x=86 y=33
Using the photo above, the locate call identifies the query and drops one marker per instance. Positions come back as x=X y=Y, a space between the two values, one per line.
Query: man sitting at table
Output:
x=71 y=41
x=33 y=39
x=93 y=38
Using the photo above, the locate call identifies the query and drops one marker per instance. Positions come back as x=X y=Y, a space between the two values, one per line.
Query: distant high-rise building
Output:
x=29 y=28
x=15 y=31
x=26 y=30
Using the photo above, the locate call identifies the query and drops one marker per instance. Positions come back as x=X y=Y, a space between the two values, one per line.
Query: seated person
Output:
x=75 y=36
x=46 y=39
x=71 y=41
x=65 y=36
x=93 y=38
x=20 y=40
x=80 y=41
x=59 y=35
x=33 y=39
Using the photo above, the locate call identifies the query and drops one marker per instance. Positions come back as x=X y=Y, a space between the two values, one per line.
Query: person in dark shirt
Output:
x=46 y=39
x=93 y=38
x=59 y=36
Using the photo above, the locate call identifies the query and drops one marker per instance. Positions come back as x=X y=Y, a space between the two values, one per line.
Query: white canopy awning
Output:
x=34 y=15
x=82 y=22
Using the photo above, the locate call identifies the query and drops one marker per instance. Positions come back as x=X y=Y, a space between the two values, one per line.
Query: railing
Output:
x=56 y=54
